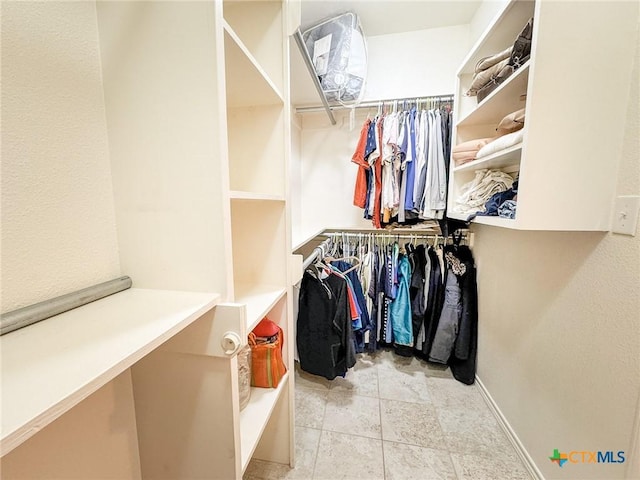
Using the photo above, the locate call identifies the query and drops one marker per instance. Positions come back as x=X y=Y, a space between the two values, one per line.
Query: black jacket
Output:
x=324 y=335
x=463 y=359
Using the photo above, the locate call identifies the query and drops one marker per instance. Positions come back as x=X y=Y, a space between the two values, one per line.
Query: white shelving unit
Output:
x=198 y=118
x=50 y=367
x=560 y=161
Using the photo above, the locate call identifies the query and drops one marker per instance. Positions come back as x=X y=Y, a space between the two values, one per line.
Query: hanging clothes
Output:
x=463 y=359
x=419 y=300
x=364 y=323
x=447 y=328
x=400 y=310
x=434 y=302
x=323 y=329
x=360 y=189
x=402 y=160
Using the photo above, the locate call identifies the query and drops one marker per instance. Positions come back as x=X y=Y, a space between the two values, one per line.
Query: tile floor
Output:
x=393 y=418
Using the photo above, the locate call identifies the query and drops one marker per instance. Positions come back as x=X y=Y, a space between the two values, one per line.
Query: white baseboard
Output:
x=511 y=434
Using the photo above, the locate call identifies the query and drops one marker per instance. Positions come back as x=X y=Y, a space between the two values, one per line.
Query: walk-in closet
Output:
x=320 y=240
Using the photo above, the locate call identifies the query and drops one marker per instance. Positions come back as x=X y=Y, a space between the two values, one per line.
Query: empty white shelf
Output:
x=49 y=367
x=259 y=299
x=254 y=417
x=247 y=82
x=240 y=195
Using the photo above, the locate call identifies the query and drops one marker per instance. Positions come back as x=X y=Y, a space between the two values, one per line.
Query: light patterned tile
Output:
x=308 y=380
x=412 y=423
x=348 y=457
x=409 y=462
x=387 y=360
x=449 y=393
x=352 y=414
x=473 y=467
x=307 y=440
x=403 y=385
x=360 y=380
x=469 y=431
x=310 y=406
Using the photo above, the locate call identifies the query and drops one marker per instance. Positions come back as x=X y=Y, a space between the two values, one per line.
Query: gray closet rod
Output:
x=381 y=233
x=375 y=103
x=37 y=312
x=391 y=235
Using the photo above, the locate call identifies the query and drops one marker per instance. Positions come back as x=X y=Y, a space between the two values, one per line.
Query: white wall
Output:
x=483 y=16
x=414 y=64
x=559 y=340
x=58 y=222
x=408 y=64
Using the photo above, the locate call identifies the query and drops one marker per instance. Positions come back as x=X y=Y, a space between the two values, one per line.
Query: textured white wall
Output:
x=58 y=222
x=400 y=65
x=559 y=341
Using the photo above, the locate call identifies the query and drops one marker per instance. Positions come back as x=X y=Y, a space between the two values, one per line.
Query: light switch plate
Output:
x=625 y=215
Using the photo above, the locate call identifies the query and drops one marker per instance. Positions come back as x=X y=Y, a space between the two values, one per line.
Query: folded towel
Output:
x=501 y=143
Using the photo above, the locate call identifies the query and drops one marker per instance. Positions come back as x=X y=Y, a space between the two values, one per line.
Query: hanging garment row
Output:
x=403 y=165
x=370 y=291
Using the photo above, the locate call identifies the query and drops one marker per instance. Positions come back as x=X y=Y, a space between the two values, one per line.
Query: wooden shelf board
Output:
x=482 y=220
x=504 y=158
x=247 y=82
x=496 y=221
x=51 y=366
x=499 y=34
x=503 y=100
x=254 y=417
x=259 y=300
x=240 y=195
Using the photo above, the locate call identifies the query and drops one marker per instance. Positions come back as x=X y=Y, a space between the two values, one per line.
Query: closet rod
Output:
x=466 y=235
x=37 y=312
x=375 y=103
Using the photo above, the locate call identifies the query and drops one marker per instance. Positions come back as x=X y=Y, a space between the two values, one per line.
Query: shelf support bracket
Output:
x=312 y=71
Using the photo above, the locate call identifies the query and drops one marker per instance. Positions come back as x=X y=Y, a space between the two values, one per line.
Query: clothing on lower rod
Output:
x=421 y=301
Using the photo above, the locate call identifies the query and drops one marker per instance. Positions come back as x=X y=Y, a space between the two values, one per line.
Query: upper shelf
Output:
x=247 y=82
x=499 y=34
x=502 y=101
x=49 y=367
x=258 y=24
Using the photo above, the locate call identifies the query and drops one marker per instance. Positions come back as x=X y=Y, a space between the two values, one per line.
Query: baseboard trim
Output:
x=511 y=434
